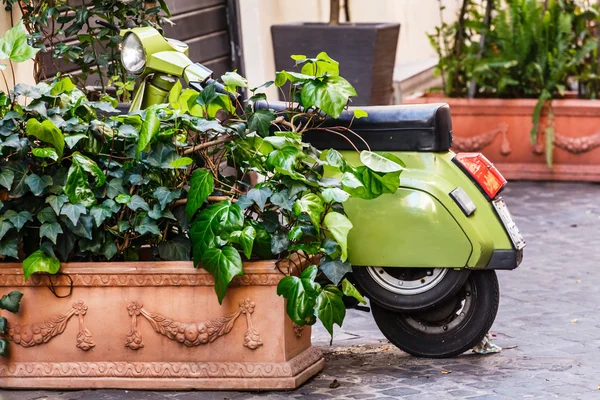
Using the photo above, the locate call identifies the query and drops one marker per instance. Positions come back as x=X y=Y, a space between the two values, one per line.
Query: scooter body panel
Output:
x=421 y=225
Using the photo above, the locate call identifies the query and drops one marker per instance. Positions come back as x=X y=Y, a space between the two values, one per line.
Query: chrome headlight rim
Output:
x=133 y=56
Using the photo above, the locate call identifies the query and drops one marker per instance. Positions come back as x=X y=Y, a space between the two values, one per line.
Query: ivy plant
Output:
x=198 y=178
x=92 y=48
x=9 y=302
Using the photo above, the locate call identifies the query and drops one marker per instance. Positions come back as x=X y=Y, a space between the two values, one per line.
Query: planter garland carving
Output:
x=479 y=142
x=577 y=145
x=192 y=334
x=39 y=333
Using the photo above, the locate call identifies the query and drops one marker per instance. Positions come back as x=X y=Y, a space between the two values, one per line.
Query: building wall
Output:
x=416 y=17
x=23 y=71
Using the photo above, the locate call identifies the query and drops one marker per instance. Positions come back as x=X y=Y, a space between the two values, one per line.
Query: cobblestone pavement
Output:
x=548 y=324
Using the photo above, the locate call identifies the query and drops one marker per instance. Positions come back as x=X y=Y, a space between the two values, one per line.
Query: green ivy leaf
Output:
x=3 y=347
x=14 y=46
x=245 y=238
x=73 y=211
x=282 y=199
x=213 y=221
x=358 y=113
x=259 y=196
x=330 y=94
x=45 y=153
x=284 y=160
x=47 y=132
x=330 y=308
x=175 y=249
x=46 y=215
x=39 y=262
x=334 y=270
x=90 y=167
x=320 y=65
x=201 y=186
x=233 y=80
x=301 y=294
x=147 y=225
x=334 y=195
x=19 y=187
x=9 y=247
x=103 y=212
x=379 y=163
x=6 y=178
x=3 y=326
x=367 y=184
x=260 y=121
x=136 y=202
x=56 y=202
x=165 y=196
x=5 y=226
x=123 y=198
x=148 y=131
x=335 y=159
x=82 y=228
x=339 y=226
x=50 y=230
x=72 y=140
x=223 y=264
x=37 y=184
x=65 y=85
x=18 y=219
x=279 y=243
x=11 y=302
x=312 y=205
x=181 y=162
x=77 y=187
x=351 y=291
x=282 y=77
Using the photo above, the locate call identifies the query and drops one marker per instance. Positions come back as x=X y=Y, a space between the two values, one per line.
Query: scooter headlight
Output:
x=132 y=55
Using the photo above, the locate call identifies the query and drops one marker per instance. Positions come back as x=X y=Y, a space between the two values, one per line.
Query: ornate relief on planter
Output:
x=576 y=154
x=246 y=343
x=479 y=142
x=39 y=333
x=194 y=333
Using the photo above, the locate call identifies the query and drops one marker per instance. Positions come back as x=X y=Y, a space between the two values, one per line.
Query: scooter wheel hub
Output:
x=397 y=280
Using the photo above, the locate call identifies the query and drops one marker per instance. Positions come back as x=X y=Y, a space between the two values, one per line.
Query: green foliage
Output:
x=532 y=49
x=170 y=183
x=94 y=49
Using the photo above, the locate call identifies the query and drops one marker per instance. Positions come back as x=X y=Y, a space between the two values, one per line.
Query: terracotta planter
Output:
x=499 y=128
x=153 y=326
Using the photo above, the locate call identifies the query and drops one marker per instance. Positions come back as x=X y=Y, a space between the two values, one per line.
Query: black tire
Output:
x=445 y=337
x=446 y=288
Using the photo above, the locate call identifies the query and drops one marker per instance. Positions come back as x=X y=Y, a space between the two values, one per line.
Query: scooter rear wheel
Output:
x=450 y=328
x=409 y=289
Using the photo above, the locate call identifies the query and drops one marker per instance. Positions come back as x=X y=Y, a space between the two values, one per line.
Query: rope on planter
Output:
x=52 y=285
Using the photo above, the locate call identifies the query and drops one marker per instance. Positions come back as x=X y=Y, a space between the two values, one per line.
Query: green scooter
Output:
x=425 y=256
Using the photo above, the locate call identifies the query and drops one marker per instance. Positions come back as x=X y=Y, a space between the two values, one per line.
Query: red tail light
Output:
x=483 y=172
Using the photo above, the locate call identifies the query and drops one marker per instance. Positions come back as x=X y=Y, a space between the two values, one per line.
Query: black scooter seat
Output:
x=413 y=127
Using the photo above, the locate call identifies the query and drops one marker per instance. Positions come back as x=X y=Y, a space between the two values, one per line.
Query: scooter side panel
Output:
x=408 y=228
x=436 y=175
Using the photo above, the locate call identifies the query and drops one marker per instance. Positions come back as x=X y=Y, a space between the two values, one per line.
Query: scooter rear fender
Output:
x=421 y=225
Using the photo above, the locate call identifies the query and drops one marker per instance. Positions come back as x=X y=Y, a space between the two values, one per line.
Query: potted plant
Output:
x=367 y=51
x=102 y=222
x=521 y=78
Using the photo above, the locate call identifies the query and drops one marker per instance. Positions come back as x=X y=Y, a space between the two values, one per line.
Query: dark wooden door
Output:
x=209 y=27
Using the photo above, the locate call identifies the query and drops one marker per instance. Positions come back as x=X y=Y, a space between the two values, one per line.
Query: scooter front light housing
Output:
x=132 y=54
x=483 y=172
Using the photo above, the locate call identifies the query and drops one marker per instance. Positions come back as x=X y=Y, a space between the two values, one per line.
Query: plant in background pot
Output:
x=538 y=64
x=171 y=183
x=366 y=51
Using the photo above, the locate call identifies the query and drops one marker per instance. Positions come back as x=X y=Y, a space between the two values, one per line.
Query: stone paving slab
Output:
x=548 y=323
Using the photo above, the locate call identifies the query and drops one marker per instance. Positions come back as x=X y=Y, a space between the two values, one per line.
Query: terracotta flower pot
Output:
x=500 y=129
x=153 y=326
